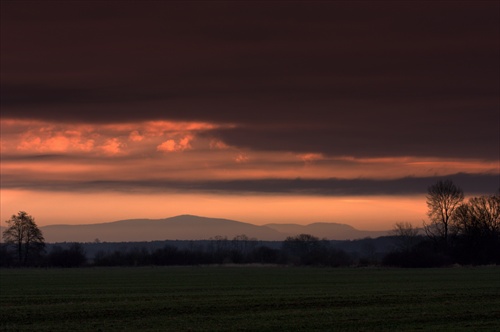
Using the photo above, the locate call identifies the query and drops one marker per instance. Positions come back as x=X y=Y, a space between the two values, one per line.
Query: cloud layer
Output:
x=472 y=184
x=268 y=111
x=340 y=79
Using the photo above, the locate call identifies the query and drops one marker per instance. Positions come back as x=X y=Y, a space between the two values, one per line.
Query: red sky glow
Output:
x=256 y=111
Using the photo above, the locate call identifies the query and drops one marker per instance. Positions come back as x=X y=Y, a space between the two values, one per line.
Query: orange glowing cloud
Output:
x=310 y=157
x=48 y=141
x=106 y=139
x=241 y=158
x=143 y=149
x=113 y=146
x=218 y=145
x=135 y=136
x=167 y=146
x=175 y=146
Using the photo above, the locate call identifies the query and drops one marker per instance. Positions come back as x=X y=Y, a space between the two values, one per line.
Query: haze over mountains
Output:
x=189 y=227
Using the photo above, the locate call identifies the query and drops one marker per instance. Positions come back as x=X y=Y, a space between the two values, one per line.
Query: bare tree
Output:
x=480 y=216
x=442 y=200
x=477 y=225
x=23 y=233
x=406 y=234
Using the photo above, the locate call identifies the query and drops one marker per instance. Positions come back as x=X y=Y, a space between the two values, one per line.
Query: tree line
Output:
x=303 y=249
x=457 y=232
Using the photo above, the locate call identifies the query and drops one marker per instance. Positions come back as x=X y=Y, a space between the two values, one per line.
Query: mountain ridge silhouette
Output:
x=191 y=227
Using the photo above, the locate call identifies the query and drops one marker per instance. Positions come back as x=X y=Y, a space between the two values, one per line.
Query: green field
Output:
x=249 y=298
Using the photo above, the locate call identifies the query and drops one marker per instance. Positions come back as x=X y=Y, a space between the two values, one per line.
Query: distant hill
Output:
x=330 y=231
x=189 y=227
x=184 y=227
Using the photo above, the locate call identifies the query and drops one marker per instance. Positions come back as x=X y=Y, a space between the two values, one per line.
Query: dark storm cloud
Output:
x=350 y=78
x=470 y=183
x=375 y=138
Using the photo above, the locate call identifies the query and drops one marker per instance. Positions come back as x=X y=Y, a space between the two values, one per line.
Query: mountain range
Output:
x=189 y=227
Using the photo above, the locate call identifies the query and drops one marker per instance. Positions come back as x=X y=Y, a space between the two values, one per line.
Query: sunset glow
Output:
x=216 y=113
x=373 y=213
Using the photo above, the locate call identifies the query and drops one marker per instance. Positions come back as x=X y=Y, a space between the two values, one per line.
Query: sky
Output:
x=263 y=112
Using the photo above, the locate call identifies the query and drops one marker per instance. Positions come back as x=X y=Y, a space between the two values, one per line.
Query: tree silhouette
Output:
x=305 y=249
x=24 y=235
x=477 y=225
x=73 y=256
x=406 y=236
x=442 y=200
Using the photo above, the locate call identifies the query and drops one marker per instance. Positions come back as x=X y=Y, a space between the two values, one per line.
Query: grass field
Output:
x=249 y=298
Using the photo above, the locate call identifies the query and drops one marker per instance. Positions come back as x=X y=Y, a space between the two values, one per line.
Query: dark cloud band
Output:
x=470 y=183
x=339 y=78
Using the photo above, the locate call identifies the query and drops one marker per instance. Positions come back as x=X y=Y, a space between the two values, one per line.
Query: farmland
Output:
x=248 y=298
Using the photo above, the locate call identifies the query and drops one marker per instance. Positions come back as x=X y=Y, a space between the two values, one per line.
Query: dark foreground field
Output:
x=249 y=298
